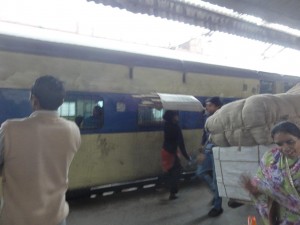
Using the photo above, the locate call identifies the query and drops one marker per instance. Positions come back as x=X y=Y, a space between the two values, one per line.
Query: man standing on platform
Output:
x=206 y=168
x=35 y=156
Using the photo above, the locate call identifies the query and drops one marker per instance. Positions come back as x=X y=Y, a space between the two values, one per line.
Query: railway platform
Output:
x=151 y=207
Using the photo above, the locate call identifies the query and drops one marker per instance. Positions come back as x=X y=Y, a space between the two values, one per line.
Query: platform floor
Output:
x=150 y=207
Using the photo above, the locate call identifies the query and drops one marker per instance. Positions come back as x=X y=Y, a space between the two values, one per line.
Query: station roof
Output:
x=283 y=12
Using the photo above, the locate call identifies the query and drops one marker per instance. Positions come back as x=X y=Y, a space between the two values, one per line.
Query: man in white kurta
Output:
x=35 y=156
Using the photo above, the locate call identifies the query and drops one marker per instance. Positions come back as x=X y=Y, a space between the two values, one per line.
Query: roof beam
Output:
x=215 y=21
x=285 y=12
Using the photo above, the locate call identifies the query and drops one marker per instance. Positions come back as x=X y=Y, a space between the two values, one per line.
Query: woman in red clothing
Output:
x=173 y=140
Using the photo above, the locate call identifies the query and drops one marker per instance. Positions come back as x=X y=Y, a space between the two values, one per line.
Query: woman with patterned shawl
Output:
x=276 y=186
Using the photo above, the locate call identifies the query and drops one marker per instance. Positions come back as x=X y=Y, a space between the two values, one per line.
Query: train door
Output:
x=151 y=110
x=150 y=137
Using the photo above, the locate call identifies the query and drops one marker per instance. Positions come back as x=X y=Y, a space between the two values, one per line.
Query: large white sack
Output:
x=248 y=122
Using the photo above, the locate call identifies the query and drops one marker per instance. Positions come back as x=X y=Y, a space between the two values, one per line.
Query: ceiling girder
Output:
x=215 y=21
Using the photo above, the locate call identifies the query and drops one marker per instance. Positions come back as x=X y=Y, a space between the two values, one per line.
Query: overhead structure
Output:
x=170 y=102
x=283 y=12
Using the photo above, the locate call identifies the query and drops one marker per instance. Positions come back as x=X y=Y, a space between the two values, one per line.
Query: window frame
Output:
x=152 y=122
x=84 y=100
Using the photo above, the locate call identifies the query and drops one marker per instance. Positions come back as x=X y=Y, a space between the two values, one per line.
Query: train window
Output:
x=85 y=111
x=67 y=110
x=148 y=116
x=266 y=87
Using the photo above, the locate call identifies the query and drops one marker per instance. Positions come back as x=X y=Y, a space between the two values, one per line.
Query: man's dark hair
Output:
x=215 y=100
x=169 y=115
x=287 y=128
x=97 y=111
x=49 y=91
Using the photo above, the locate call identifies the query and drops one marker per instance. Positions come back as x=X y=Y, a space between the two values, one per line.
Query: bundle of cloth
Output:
x=248 y=122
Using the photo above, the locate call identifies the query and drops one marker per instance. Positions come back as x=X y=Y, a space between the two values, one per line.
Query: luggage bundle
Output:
x=247 y=122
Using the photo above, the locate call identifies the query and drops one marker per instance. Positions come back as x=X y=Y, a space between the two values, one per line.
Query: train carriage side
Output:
x=126 y=146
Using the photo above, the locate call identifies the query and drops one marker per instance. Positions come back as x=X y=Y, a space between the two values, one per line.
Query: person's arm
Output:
x=204 y=137
x=204 y=134
x=249 y=184
x=182 y=145
x=261 y=200
x=1 y=149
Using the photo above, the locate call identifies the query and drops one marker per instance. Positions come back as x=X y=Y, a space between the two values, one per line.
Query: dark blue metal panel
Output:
x=14 y=104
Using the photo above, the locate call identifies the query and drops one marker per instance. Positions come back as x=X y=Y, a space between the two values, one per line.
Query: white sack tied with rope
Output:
x=248 y=122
